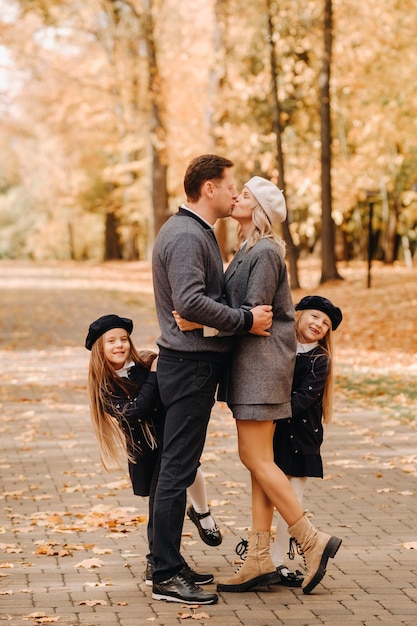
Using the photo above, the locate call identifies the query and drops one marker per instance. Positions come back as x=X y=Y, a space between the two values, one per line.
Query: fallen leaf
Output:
x=92 y=603
x=196 y=616
x=215 y=503
x=102 y=551
x=90 y=563
x=43 y=618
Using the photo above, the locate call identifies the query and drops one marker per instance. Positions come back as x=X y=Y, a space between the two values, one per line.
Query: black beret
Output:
x=105 y=323
x=321 y=304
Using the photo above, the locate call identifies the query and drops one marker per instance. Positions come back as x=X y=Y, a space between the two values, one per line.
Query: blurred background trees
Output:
x=104 y=102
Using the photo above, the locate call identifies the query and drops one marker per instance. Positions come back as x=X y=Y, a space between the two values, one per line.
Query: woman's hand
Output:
x=185 y=325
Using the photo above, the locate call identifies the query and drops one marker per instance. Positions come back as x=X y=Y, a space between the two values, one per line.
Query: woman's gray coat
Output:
x=262 y=368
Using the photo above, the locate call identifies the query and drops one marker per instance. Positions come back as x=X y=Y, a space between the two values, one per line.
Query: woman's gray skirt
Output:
x=261 y=412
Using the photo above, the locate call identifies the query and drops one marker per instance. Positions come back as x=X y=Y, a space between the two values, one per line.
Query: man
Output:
x=188 y=278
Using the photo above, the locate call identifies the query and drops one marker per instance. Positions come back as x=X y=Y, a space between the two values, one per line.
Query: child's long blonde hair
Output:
x=103 y=380
x=262 y=230
x=327 y=344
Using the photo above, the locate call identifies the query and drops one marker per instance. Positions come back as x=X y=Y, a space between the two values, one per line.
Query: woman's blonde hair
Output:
x=262 y=229
x=102 y=381
x=327 y=344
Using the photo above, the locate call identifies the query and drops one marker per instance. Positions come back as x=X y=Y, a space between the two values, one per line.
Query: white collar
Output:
x=123 y=372
x=306 y=347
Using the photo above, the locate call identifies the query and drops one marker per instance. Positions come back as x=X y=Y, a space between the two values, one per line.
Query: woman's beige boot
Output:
x=257 y=569
x=316 y=548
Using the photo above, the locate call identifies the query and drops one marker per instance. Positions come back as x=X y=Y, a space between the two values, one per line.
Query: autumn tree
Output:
x=328 y=268
x=276 y=125
x=157 y=125
x=103 y=104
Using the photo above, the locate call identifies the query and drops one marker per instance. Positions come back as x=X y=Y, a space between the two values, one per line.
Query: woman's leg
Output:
x=279 y=550
x=256 y=453
x=262 y=507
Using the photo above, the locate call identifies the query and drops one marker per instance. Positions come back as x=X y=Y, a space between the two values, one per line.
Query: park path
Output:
x=72 y=538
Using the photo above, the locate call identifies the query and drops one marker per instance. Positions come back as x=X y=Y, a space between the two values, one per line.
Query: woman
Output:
x=259 y=388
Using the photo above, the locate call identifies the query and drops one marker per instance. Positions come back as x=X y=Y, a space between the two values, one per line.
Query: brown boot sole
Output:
x=329 y=553
x=259 y=581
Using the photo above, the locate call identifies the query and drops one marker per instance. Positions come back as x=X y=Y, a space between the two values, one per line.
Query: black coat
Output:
x=297 y=440
x=142 y=406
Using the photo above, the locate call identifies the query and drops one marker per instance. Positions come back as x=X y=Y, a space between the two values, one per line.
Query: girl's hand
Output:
x=185 y=325
x=154 y=364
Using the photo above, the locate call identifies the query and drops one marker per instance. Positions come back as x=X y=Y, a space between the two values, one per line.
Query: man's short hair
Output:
x=202 y=168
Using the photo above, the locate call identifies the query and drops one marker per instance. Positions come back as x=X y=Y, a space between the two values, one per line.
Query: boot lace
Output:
x=242 y=548
x=295 y=548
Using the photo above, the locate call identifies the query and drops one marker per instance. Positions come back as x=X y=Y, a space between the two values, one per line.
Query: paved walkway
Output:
x=72 y=538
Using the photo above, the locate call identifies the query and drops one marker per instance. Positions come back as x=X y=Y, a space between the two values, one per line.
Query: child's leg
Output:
x=198 y=495
x=279 y=549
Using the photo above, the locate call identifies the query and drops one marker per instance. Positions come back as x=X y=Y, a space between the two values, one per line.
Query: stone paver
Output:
x=72 y=538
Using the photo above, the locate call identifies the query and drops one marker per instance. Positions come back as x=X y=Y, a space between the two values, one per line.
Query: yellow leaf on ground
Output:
x=93 y=603
x=90 y=563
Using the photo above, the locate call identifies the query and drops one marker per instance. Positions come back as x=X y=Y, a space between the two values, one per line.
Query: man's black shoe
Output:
x=147 y=576
x=195 y=577
x=180 y=588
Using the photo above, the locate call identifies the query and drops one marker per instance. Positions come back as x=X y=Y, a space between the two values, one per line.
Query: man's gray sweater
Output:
x=188 y=277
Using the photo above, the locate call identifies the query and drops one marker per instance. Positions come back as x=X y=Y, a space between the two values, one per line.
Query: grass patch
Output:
x=389 y=392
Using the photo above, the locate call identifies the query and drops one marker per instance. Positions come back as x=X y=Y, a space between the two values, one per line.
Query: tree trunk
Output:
x=292 y=251
x=157 y=126
x=217 y=78
x=389 y=244
x=112 y=244
x=328 y=268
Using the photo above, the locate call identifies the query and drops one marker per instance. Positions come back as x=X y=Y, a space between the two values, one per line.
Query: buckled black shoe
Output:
x=180 y=588
x=287 y=578
x=210 y=536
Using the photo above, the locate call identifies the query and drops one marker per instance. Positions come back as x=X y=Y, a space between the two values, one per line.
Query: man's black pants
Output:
x=187 y=389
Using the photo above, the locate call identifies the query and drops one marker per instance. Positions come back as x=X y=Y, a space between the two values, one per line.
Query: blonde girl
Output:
x=128 y=420
x=297 y=440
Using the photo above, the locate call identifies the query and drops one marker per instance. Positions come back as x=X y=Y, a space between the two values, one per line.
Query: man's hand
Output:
x=262 y=320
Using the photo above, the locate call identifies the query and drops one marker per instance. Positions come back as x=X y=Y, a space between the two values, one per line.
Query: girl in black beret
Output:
x=128 y=419
x=297 y=440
